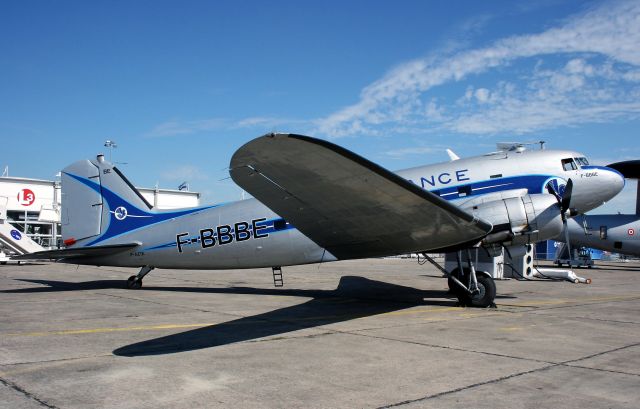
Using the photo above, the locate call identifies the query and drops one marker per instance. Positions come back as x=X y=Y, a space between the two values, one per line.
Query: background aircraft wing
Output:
x=79 y=252
x=347 y=204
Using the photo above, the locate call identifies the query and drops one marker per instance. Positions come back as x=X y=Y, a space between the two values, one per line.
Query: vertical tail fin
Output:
x=94 y=192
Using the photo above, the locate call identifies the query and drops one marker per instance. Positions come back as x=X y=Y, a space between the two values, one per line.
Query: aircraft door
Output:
x=603 y=232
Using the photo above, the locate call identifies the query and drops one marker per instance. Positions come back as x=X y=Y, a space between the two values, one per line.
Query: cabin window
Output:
x=603 y=232
x=569 y=164
x=464 y=191
x=499 y=175
x=279 y=224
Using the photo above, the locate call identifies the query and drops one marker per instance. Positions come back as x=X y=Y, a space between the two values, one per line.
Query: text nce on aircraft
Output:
x=317 y=202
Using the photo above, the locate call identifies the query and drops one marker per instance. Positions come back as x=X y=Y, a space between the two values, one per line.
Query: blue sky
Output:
x=181 y=85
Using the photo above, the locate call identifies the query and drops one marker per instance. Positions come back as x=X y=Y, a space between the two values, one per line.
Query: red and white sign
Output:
x=26 y=197
x=631 y=232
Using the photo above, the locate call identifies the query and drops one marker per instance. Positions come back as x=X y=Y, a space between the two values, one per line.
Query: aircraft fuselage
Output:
x=247 y=234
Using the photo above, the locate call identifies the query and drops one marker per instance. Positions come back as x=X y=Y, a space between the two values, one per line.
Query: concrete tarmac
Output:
x=355 y=334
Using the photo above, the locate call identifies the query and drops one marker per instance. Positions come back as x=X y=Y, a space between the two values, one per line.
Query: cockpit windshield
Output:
x=582 y=161
x=569 y=164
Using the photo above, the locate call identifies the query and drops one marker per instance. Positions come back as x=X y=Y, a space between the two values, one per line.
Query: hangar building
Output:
x=33 y=206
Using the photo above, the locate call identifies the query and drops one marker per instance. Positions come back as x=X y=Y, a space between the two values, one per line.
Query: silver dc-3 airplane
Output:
x=317 y=202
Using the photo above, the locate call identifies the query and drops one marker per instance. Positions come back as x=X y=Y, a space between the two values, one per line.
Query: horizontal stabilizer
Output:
x=79 y=252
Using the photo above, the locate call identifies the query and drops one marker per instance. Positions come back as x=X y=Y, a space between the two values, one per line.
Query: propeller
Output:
x=564 y=202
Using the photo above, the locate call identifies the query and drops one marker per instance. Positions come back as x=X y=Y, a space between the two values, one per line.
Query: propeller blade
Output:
x=553 y=191
x=566 y=238
x=566 y=196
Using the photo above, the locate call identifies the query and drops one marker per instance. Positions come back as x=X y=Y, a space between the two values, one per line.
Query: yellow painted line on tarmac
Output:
x=423 y=311
x=200 y=325
x=511 y=329
x=559 y=301
x=103 y=330
x=462 y=313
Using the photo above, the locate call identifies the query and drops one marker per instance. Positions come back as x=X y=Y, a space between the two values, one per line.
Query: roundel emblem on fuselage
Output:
x=120 y=213
x=558 y=185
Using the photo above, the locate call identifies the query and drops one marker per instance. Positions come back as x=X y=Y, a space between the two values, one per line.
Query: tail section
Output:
x=98 y=203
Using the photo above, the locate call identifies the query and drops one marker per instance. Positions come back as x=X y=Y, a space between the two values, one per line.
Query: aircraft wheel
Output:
x=486 y=295
x=133 y=283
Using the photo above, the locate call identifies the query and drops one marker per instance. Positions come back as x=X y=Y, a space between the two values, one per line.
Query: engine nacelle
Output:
x=521 y=220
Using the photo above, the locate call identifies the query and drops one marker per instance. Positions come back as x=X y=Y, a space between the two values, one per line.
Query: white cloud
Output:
x=482 y=95
x=174 y=127
x=183 y=173
x=267 y=122
x=418 y=150
x=577 y=91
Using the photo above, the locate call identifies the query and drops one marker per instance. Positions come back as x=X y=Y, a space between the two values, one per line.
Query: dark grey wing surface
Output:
x=345 y=203
x=76 y=253
x=630 y=169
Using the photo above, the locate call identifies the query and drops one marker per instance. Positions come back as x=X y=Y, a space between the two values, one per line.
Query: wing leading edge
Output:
x=345 y=203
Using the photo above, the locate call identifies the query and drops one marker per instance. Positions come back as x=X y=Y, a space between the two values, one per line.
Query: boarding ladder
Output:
x=277 y=277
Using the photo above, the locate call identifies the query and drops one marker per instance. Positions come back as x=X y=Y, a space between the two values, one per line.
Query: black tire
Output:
x=487 y=293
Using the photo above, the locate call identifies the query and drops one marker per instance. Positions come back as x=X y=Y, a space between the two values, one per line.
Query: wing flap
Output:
x=345 y=203
x=76 y=253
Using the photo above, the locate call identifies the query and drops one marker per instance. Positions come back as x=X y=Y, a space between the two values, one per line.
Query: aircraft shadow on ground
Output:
x=355 y=297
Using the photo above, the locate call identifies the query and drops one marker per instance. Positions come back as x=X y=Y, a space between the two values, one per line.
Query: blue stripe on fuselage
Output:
x=135 y=219
x=533 y=184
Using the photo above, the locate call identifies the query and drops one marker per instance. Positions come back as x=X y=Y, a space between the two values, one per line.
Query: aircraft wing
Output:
x=347 y=204
x=630 y=169
x=79 y=252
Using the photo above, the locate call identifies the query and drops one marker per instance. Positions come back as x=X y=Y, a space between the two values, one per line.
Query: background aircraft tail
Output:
x=98 y=203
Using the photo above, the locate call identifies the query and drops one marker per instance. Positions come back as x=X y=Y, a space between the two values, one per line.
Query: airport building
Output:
x=33 y=206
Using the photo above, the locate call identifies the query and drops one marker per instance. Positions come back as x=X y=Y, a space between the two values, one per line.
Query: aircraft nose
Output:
x=595 y=186
x=614 y=182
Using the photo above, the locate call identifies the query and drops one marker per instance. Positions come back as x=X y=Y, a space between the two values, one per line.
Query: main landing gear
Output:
x=471 y=289
x=135 y=282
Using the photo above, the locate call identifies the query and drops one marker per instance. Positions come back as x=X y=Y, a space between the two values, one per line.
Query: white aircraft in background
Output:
x=316 y=202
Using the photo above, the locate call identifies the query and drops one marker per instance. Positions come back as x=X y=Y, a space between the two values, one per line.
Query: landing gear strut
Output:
x=471 y=289
x=135 y=282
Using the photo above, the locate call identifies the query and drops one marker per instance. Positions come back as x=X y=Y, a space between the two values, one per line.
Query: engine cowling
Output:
x=521 y=220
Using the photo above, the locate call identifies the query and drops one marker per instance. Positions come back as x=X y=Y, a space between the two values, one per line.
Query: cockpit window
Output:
x=569 y=164
x=582 y=161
